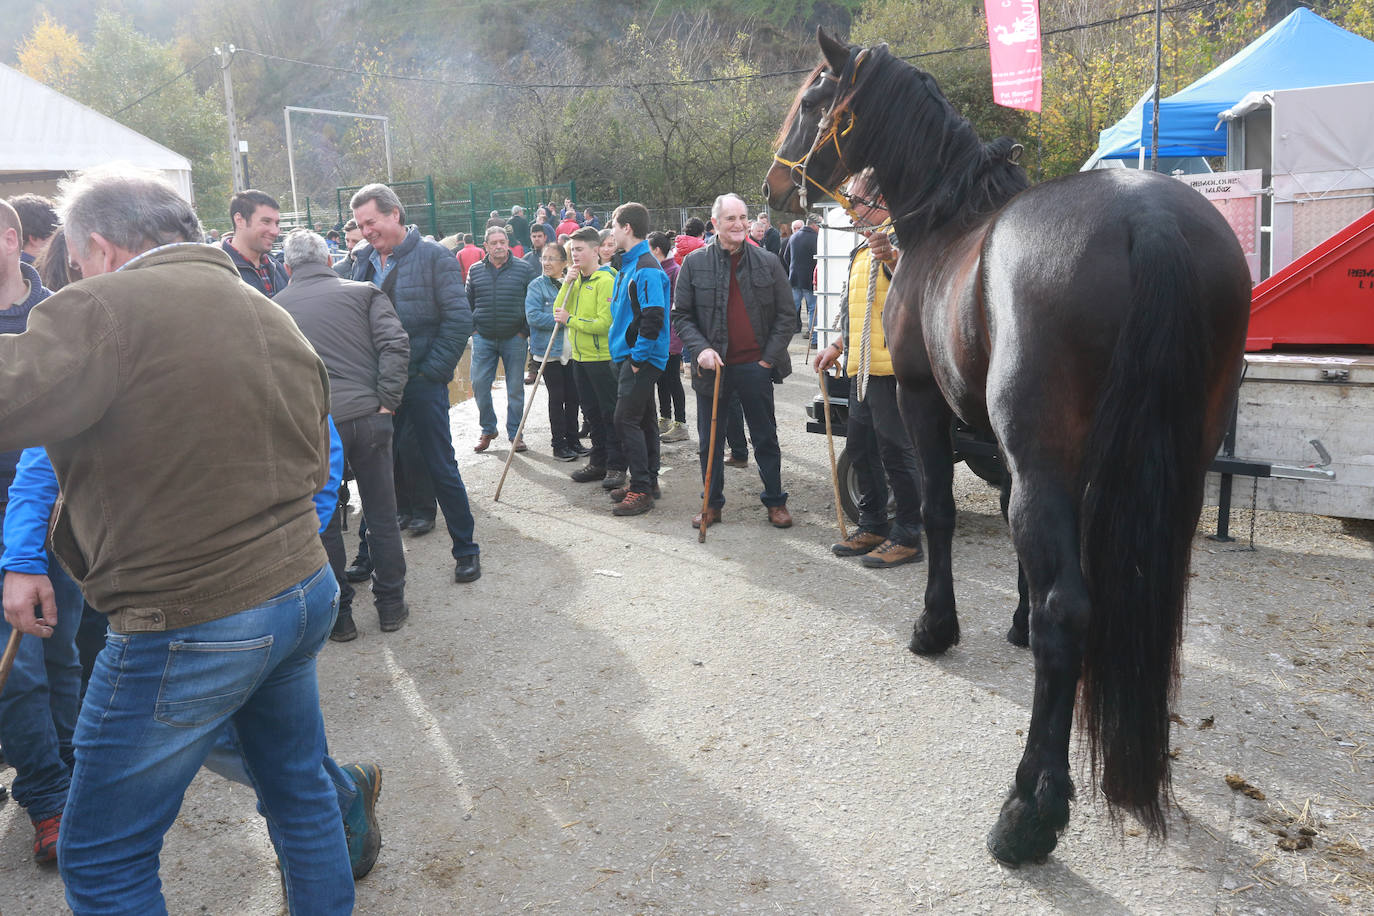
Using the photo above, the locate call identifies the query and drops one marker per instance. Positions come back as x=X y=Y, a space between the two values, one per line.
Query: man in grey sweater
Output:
x=354 y=328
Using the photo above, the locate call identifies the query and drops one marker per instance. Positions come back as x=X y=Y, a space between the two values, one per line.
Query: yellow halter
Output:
x=827 y=131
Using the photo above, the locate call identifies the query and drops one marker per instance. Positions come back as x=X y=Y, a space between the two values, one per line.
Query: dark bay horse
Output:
x=1095 y=325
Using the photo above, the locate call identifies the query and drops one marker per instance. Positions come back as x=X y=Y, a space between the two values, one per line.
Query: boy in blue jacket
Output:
x=639 y=351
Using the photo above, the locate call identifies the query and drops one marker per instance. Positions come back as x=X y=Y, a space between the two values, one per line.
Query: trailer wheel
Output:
x=850 y=491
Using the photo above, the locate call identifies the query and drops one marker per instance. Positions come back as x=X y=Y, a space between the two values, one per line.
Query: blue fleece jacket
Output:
x=639 y=310
x=14 y=320
x=35 y=489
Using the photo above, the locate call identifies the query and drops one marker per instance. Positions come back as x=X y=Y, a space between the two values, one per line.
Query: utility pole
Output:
x=226 y=56
x=1154 y=121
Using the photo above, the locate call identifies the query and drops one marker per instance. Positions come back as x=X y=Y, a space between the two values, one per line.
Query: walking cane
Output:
x=7 y=661
x=710 y=459
x=529 y=402
x=830 y=443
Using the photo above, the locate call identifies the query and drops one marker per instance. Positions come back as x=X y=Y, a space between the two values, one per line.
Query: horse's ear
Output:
x=836 y=52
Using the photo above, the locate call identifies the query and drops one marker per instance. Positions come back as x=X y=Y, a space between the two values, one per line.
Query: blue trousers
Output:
x=155 y=706
x=424 y=409
x=511 y=351
x=39 y=707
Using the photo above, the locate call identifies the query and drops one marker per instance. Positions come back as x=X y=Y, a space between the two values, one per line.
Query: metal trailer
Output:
x=1292 y=406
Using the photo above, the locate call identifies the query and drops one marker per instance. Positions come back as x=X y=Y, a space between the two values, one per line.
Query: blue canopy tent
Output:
x=1301 y=51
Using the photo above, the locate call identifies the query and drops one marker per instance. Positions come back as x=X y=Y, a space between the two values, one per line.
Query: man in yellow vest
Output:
x=877 y=439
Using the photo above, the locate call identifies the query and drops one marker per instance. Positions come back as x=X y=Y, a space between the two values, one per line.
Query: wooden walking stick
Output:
x=7 y=661
x=710 y=459
x=830 y=444
x=529 y=402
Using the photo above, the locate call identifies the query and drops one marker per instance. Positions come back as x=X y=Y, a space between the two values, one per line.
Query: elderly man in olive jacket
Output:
x=733 y=308
x=186 y=419
x=354 y=328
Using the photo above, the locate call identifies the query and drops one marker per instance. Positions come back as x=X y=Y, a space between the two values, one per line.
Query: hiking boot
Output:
x=619 y=493
x=45 y=839
x=588 y=473
x=613 y=479
x=361 y=829
x=889 y=554
x=676 y=433
x=634 y=504
x=392 y=618
x=344 y=628
x=712 y=518
x=779 y=517
x=564 y=453
x=740 y=462
x=857 y=544
x=582 y=450
x=664 y=424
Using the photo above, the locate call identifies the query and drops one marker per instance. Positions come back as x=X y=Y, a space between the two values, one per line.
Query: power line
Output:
x=649 y=84
x=152 y=92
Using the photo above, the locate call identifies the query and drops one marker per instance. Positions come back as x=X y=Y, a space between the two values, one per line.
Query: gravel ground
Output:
x=616 y=719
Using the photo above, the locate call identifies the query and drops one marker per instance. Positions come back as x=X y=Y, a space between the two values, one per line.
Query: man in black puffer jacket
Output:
x=425 y=283
x=496 y=291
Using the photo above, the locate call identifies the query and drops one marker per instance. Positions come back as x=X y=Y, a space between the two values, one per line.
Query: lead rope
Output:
x=866 y=341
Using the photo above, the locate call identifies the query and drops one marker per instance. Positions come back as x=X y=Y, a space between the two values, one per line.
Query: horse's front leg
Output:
x=927 y=419
x=1044 y=527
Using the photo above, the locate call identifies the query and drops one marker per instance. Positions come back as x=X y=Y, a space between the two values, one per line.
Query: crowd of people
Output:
x=288 y=375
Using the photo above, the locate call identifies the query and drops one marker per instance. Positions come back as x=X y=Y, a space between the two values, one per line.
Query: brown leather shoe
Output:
x=857 y=544
x=520 y=445
x=887 y=555
x=712 y=518
x=483 y=441
x=779 y=517
x=733 y=462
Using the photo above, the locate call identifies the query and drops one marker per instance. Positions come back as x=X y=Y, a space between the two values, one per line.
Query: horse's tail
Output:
x=1142 y=492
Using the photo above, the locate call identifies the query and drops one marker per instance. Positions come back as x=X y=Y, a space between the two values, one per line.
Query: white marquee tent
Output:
x=45 y=135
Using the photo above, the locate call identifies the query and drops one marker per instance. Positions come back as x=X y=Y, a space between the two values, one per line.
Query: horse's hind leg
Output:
x=1045 y=529
x=1019 y=634
x=927 y=418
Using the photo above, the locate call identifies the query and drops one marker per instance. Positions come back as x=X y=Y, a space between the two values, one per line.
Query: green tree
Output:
x=121 y=65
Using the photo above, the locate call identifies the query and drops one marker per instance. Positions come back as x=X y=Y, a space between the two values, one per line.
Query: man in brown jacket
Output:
x=185 y=417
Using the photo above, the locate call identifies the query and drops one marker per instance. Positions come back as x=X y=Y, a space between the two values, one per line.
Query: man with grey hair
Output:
x=496 y=291
x=733 y=308
x=425 y=284
x=354 y=328
x=160 y=351
x=519 y=228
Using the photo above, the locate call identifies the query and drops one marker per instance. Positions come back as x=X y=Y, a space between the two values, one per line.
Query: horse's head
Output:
x=810 y=160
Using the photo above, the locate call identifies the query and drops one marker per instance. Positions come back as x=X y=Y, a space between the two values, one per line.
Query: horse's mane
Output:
x=933 y=169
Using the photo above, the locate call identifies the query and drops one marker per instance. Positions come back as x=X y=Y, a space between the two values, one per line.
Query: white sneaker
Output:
x=676 y=433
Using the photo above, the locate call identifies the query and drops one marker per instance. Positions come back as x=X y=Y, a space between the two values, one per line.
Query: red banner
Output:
x=1014 y=44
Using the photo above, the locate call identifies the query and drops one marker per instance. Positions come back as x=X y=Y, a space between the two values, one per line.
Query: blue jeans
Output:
x=512 y=352
x=807 y=296
x=424 y=408
x=155 y=706
x=39 y=706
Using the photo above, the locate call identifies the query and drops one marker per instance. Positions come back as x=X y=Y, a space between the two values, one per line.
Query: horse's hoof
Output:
x=1022 y=834
x=1018 y=636
x=928 y=639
